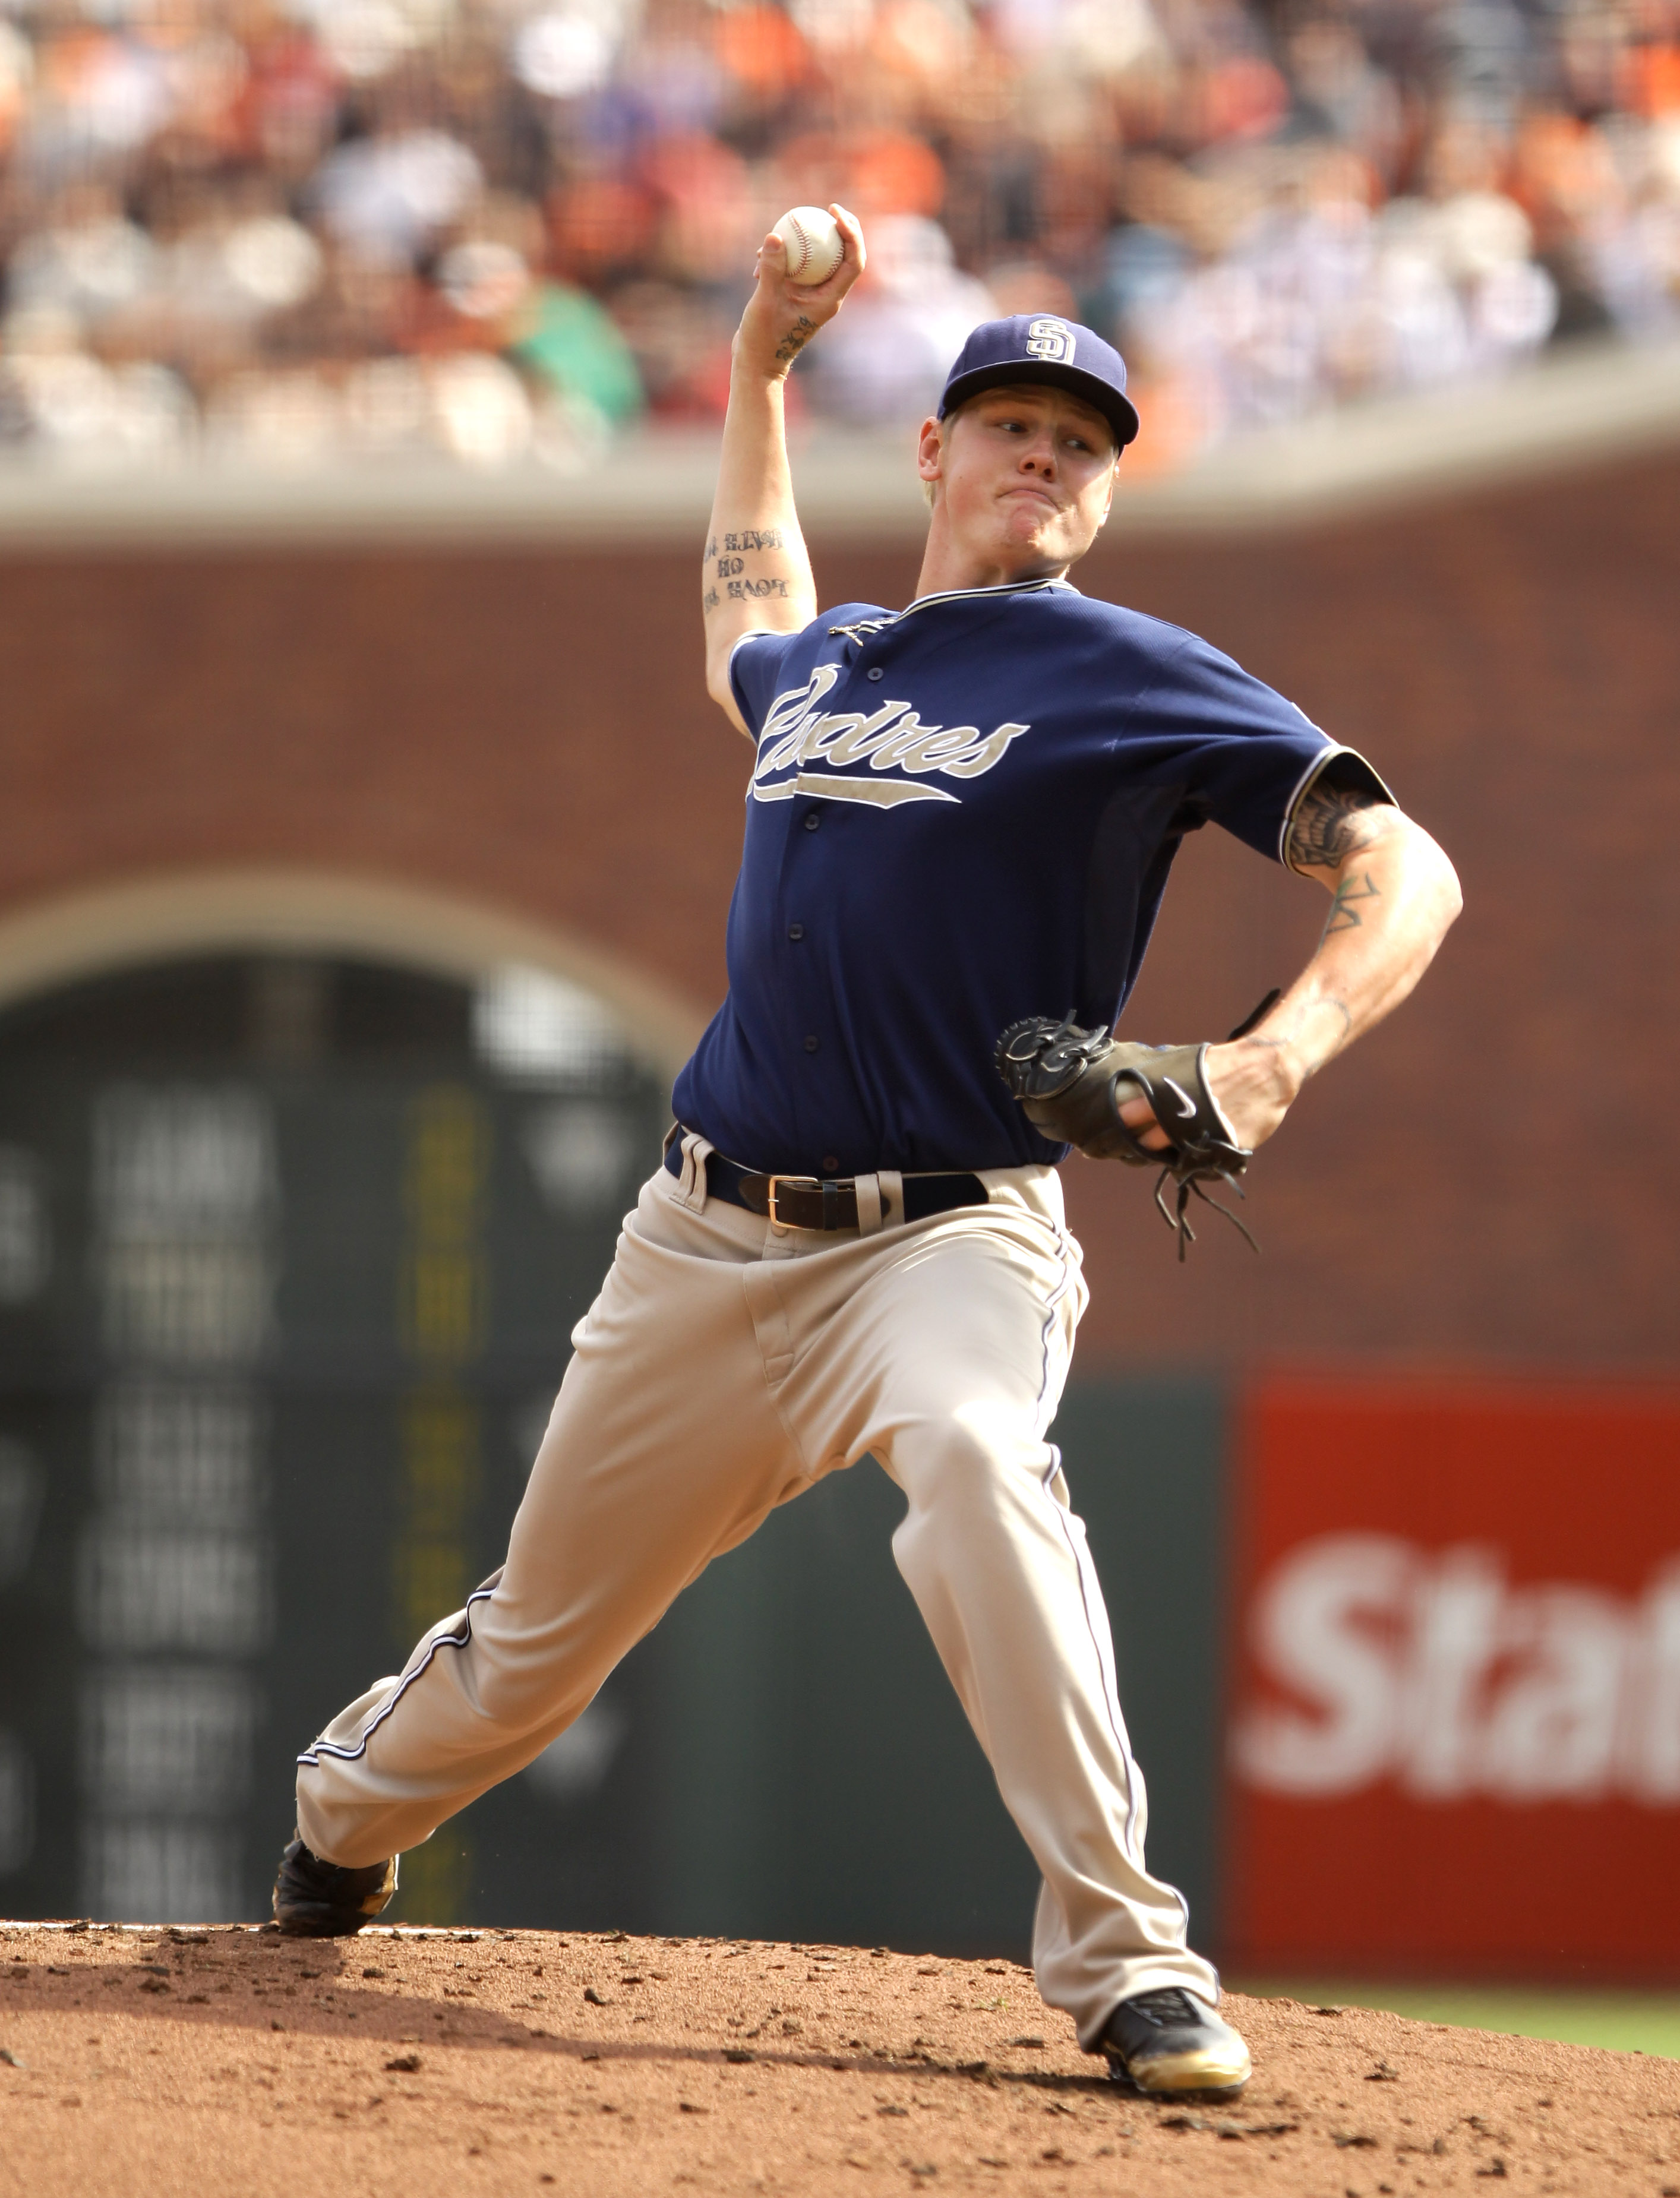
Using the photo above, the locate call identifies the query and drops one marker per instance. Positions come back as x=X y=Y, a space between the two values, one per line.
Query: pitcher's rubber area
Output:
x=161 y=2064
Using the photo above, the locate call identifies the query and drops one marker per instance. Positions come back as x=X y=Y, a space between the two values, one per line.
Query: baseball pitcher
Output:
x=960 y=817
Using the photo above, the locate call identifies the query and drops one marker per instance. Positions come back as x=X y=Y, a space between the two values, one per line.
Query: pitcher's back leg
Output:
x=664 y=1449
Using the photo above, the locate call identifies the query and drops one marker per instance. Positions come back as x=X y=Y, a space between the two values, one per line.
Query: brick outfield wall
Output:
x=1491 y=1180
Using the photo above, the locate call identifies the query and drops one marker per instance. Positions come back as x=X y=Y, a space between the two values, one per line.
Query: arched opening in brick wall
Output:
x=294 y=910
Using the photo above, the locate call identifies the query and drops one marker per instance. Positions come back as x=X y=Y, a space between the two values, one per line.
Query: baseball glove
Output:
x=1073 y=1083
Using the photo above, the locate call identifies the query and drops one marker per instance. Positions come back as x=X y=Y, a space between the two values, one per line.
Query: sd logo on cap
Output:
x=1039 y=347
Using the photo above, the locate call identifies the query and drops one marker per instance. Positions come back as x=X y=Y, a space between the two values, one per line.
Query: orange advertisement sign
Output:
x=1453 y=1740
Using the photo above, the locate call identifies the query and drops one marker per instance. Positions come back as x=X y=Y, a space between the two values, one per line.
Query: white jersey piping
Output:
x=1304 y=785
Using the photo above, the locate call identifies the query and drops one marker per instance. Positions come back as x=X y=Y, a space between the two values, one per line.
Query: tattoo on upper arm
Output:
x=1333 y=824
x=1344 y=916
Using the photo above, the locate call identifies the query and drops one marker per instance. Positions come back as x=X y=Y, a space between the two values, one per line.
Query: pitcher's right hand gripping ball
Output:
x=1072 y=1084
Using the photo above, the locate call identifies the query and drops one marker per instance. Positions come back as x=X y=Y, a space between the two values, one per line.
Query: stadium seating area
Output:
x=302 y=230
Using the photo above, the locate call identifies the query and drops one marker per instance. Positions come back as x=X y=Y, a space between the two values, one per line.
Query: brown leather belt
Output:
x=806 y=1201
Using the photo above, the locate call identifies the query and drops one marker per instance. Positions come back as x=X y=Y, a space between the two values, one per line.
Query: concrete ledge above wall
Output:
x=1586 y=403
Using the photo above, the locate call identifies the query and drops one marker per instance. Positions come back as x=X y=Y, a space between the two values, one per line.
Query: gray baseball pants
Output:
x=726 y=1366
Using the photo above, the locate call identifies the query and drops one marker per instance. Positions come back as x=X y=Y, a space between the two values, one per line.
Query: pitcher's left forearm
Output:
x=1392 y=899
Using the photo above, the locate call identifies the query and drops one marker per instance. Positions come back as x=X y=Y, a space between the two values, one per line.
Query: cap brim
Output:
x=1118 y=410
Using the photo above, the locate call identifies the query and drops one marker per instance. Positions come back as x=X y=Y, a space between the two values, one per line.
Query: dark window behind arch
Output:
x=290 y=1253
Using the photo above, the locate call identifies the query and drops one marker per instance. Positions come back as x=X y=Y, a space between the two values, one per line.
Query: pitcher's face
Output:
x=1023 y=476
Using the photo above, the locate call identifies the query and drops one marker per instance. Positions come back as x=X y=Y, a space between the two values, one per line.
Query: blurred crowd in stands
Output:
x=297 y=230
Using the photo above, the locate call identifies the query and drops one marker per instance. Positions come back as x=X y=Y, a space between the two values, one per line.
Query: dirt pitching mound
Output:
x=146 y=2063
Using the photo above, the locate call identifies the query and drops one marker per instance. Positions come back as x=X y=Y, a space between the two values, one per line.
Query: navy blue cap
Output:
x=1040 y=347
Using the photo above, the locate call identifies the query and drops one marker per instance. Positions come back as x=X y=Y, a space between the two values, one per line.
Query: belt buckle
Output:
x=804 y=1183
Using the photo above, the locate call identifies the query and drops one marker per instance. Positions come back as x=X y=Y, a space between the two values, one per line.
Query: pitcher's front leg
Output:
x=997 y=1563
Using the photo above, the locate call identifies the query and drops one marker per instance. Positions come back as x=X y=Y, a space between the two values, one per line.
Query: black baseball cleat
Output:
x=1169 y=2041
x=317 y=1900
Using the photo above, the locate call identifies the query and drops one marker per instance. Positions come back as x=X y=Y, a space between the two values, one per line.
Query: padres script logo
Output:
x=797 y=735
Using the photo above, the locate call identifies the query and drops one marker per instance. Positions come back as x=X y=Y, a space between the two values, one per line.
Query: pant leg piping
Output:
x=1066 y=1283
x=312 y=1756
x=1110 y=1692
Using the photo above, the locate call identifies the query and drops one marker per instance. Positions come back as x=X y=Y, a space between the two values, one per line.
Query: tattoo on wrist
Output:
x=1344 y=916
x=1331 y=824
x=1310 y=1058
x=1312 y=1063
x=796 y=339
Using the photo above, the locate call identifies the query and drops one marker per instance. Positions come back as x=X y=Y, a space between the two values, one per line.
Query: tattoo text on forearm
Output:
x=727 y=574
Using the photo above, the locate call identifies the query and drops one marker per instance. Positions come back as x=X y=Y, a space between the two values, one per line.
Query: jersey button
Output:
x=874 y=671
x=796 y=932
x=811 y=1044
x=831 y=1164
x=813 y=822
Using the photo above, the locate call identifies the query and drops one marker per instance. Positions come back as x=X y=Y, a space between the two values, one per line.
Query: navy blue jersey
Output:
x=959 y=814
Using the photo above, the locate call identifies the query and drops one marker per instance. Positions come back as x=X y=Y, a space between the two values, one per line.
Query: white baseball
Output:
x=815 y=245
